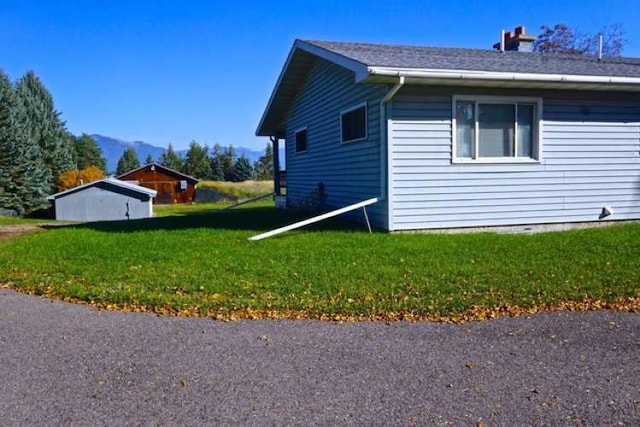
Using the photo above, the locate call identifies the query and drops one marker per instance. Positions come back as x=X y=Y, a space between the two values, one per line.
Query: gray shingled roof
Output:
x=382 y=63
x=399 y=56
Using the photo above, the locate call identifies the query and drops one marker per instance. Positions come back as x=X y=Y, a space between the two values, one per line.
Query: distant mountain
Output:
x=113 y=148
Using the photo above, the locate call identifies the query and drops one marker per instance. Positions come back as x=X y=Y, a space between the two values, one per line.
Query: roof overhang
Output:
x=108 y=182
x=301 y=58
x=502 y=79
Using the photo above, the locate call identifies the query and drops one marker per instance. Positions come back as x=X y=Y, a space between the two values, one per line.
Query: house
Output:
x=106 y=200
x=451 y=137
x=172 y=186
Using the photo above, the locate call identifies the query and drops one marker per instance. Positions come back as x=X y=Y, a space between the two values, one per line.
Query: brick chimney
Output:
x=516 y=41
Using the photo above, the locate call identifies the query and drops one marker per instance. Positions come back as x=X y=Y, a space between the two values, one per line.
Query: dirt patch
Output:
x=8 y=232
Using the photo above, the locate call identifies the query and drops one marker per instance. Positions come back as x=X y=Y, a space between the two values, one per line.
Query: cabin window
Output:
x=496 y=129
x=301 y=140
x=353 y=123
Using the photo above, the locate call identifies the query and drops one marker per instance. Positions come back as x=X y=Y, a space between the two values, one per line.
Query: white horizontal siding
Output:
x=590 y=159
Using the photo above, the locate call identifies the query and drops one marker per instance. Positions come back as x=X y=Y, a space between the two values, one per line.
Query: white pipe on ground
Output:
x=315 y=219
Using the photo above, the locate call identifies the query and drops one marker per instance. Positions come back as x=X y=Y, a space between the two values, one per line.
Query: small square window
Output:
x=301 y=141
x=353 y=123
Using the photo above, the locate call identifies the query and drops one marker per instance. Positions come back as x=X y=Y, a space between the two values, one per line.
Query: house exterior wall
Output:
x=350 y=172
x=590 y=159
x=167 y=185
x=103 y=203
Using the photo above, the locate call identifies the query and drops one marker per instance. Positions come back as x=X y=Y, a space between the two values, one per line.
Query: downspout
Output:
x=385 y=150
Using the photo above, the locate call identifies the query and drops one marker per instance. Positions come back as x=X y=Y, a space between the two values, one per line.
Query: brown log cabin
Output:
x=172 y=186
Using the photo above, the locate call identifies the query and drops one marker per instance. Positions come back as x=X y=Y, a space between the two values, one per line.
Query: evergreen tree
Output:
x=170 y=159
x=197 y=162
x=24 y=178
x=264 y=165
x=88 y=153
x=216 y=169
x=227 y=161
x=44 y=126
x=242 y=169
x=128 y=162
x=148 y=160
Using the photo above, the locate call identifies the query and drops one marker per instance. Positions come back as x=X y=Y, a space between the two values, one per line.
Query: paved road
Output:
x=73 y=365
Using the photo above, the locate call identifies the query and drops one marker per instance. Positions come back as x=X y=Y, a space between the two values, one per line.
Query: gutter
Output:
x=385 y=155
x=501 y=76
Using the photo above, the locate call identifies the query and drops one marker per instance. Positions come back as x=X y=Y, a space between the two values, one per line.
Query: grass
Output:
x=239 y=190
x=202 y=263
x=5 y=220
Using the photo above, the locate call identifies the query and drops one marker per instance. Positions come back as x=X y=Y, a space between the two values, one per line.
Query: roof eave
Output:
x=359 y=69
x=113 y=181
x=504 y=79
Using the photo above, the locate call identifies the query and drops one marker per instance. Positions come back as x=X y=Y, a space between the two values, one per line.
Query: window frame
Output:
x=484 y=99
x=295 y=140
x=366 y=123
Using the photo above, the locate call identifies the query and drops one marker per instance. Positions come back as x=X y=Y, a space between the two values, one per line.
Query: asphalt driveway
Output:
x=73 y=365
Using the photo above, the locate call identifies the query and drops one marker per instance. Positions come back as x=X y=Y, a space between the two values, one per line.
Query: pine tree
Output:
x=24 y=178
x=264 y=165
x=44 y=126
x=216 y=169
x=227 y=161
x=88 y=153
x=242 y=169
x=170 y=159
x=128 y=162
x=148 y=160
x=197 y=162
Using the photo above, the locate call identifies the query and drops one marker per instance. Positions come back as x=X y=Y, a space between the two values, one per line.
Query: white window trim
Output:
x=295 y=143
x=537 y=139
x=366 y=122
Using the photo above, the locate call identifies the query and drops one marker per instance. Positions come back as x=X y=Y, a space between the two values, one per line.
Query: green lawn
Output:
x=5 y=220
x=202 y=263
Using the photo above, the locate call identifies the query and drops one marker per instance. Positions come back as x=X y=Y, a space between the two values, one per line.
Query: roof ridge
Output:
x=563 y=56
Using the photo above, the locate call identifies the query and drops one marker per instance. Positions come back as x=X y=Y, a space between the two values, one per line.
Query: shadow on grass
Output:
x=258 y=219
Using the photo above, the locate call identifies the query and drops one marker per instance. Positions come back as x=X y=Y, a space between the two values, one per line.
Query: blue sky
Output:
x=175 y=71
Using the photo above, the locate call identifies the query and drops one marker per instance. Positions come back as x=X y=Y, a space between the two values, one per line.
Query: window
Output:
x=353 y=123
x=496 y=129
x=301 y=140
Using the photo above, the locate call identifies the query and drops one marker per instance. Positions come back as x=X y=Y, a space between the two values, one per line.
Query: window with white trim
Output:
x=496 y=129
x=301 y=140
x=353 y=123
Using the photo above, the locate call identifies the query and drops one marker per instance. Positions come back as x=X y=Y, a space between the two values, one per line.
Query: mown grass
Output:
x=201 y=208
x=203 y=263
x=4 y=220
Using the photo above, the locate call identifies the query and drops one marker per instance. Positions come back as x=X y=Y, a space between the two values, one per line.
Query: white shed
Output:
x=106 y=200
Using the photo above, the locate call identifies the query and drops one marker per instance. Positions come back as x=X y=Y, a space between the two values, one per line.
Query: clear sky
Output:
x=175 y=71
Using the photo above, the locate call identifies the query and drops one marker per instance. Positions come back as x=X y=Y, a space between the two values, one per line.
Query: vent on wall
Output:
x=606 y=212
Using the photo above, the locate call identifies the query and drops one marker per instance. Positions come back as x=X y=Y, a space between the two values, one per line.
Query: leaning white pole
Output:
x=314 y=219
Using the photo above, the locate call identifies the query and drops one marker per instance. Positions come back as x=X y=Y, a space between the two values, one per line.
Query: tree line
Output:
x=215 y=164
